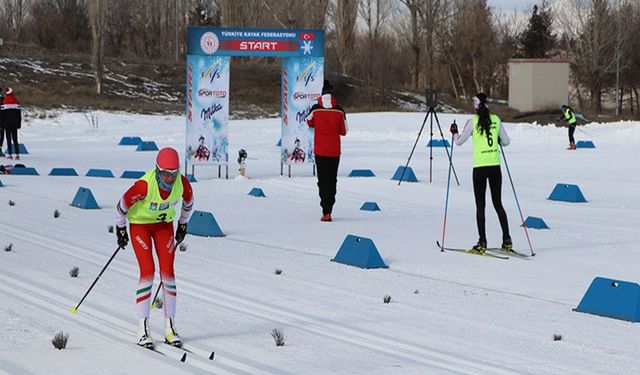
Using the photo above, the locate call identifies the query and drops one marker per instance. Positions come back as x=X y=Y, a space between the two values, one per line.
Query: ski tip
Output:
x=184 y=357
x=74 y=310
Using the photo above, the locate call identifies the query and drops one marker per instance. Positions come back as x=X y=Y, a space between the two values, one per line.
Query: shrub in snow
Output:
x=278 y=337
x=110 y=228
x=158 y=303
x=387 y=298
x=75 y=271
x=59 y=341
x=56 y=214
x=183 y=247
x=9 y=247
x=557 y=337
x=278 y=271
x=12 y=203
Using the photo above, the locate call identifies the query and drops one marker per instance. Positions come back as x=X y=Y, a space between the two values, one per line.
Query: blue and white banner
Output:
x=207 y=110
x=302 y=80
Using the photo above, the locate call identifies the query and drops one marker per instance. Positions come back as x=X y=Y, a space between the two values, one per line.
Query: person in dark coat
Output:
x=11 y=120
x=1 y=127
x=329 y=123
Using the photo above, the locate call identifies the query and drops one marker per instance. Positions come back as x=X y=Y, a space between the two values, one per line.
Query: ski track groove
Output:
x=328 y=329
x=106 y=328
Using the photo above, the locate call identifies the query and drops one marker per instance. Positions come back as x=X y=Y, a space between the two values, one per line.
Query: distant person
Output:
x=11 y=120
x=487 y=133
x=329 y=122
x=1 y=127
x=570 y=118
x=149 y=207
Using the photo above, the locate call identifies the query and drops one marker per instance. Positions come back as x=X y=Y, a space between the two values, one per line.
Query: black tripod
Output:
x=432 y=112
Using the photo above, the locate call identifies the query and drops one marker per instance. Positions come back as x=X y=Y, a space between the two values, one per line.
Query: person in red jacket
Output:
x=11 y=121
x=149 y=207
x=329 y=122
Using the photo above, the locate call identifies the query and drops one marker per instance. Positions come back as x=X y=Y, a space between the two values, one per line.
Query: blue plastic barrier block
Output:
x=204 y=224
x=585 y=144
x=21 y=148
x=130 y=141
x=535 y=223
x=613 y=299
x=359 y=252
x=84 y=199
x=361 y=173
x=132 y=174
x=147 y=146
x=279 y=144
x=191 y=178
x=567 y=193
x=438 y=143
x=257 y=192
x=63 y=172
x=409 y=176
x=99 y=173
x=370 y=206
x=1 y=184
x=26 y=171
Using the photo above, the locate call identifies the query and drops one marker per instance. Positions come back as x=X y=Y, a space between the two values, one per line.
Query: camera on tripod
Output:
x=432 y=98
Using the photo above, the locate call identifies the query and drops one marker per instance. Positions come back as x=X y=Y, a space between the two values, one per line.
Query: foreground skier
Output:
x=149 y=206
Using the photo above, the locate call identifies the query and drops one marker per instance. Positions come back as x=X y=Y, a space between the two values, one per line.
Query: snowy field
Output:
x=450 y=313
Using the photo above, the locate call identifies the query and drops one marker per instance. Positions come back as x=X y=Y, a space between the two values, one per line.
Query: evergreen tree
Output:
x=538 y=40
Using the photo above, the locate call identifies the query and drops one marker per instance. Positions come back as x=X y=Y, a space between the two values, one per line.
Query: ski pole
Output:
x=75 y=308
x=517 y=202
x=446 y=201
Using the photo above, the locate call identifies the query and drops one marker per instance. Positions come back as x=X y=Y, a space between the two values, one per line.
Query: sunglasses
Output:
x=168 y=172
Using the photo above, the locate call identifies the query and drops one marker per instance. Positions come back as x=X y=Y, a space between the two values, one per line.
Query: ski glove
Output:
x=454 y=128
x=123 y=236
x=181 y=232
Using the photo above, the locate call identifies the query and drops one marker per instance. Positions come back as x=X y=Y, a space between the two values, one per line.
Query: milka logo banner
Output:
x=207 y=109
x=302 y=80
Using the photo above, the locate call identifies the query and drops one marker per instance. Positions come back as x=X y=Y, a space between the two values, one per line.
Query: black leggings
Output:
x=327 y=181
x=480 y=177
x=12 y=134
x=572 y=129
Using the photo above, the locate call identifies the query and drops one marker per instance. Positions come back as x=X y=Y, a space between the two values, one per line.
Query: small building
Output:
x=538 y=84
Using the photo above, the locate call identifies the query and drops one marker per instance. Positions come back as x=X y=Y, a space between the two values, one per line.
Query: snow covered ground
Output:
x=450 y=313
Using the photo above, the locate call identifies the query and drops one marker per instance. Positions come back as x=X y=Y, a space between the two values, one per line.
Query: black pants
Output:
x=480 y=177
x=1 y=140
x=327 y=181
x=572 y=129
x=12 y=134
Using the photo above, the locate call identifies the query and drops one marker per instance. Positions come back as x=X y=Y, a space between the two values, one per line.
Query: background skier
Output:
x=149 y=207
x=570 y=118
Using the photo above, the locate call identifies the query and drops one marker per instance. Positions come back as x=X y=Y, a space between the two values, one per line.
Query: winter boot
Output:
x=479 y=248
x=507 y=245
x=144 y=336
x=17 y=157
x=572 y=146
x=10 y=157
x=171 y=337
x=326 y=217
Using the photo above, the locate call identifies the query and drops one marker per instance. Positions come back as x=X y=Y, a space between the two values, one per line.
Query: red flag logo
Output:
x=307 y=36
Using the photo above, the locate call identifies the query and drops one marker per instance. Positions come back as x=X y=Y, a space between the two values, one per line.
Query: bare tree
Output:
x=591 y=36
x=13 y=14
x=412 y=34
x=375 y=14
x=345 y=21
x=97 y=16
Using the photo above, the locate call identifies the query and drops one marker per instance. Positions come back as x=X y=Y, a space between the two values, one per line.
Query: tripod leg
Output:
x=447 y=149
x=414 y=148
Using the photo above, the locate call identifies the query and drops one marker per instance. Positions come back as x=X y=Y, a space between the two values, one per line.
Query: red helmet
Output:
x=168 y=159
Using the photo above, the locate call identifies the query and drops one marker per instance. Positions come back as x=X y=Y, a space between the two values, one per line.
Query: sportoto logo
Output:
x=209 y=43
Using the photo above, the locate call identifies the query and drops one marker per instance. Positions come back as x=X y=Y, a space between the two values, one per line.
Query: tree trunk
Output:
x=346 y=14
x=97 y=30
